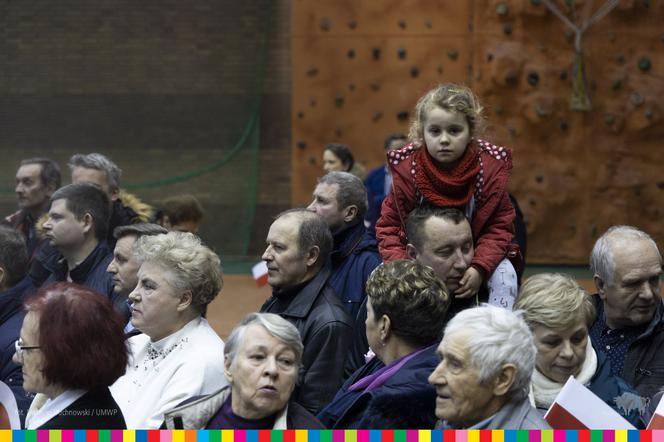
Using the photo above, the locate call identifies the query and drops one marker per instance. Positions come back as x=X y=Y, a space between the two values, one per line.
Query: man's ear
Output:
x=411 y=251
x=88 y=223
x=312 y=256
x=185 y=301
x=115 y=194
x=600 y=285
x=350 y=213
x=504 y=380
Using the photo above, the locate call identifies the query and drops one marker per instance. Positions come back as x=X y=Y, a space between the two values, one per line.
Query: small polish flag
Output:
x=577 y=408
x=260 y=273
x=657 y=419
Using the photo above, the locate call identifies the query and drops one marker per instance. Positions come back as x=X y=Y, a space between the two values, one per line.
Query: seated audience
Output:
x=178 y=356
x=71 y=348
x=486 y=363
x=406 y=307
x=263 y=356
x=559 y=313
x=14 y=287
x=629 y=328
x=182 y=213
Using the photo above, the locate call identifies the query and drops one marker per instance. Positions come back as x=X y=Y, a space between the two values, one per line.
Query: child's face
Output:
x=446 y=134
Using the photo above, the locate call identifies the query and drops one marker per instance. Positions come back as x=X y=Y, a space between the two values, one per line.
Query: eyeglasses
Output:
x=20 y=348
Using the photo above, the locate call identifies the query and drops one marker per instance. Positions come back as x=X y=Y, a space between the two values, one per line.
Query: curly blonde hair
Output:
x=195 y=267
x=448 y=96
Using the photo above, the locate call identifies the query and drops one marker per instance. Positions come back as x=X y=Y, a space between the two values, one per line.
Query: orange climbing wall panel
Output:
x=358 y=67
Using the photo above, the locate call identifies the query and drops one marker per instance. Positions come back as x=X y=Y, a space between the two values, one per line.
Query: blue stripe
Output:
x=510 y=435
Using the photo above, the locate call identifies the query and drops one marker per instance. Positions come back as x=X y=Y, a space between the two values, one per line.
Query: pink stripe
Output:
x=240 y=436
x=608 y=436
x=67 y=436
x=657 y=436
x=42 y=435
x=116 y=436
x=362 y=435
x=559 y=436
x=461 y=435
x=535 y=436
x=165 y=436
x=338 y=435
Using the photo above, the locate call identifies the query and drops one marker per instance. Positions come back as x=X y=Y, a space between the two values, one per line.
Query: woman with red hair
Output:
x=72 y=348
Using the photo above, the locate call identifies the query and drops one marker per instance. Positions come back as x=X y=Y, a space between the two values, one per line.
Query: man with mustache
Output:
x=629 y=329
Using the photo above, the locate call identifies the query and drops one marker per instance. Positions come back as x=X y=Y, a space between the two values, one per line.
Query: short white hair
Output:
x=602 y=262
x=496 y=337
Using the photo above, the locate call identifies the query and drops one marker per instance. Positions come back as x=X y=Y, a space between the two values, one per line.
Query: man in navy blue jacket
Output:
x=14 y=286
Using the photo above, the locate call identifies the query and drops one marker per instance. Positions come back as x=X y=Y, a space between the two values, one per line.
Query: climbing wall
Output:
x=586 y=130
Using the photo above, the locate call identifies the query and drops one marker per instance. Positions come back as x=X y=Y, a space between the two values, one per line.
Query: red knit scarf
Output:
x=443 y=188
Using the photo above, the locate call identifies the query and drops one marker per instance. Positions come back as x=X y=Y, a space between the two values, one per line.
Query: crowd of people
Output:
x=396 y=301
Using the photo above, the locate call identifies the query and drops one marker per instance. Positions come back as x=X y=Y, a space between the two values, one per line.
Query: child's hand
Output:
x=469 y=284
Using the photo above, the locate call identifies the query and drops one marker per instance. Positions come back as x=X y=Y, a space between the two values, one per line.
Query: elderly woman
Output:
x=262 y=360
x=486 y=361
x=72 y=348
x=406 y=307
x=559 y=313
x=178 y=355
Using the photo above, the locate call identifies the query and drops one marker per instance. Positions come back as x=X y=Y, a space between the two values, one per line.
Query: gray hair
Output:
x=99 y=162
x=602 y=262
x=138 y=230
x=195 y=267
x=274 y=325
x=497 y=336
x=313 y=231
x=50 y=171
x=351 y=191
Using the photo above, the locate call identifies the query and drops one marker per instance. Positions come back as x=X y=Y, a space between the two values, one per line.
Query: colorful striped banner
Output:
x=331 y=436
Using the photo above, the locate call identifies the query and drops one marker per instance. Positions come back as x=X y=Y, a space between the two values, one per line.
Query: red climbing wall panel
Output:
x=358 y=68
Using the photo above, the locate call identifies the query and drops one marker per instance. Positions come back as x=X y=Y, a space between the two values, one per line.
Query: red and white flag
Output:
x=657 y=419
x=260 y=273
x=577 y=408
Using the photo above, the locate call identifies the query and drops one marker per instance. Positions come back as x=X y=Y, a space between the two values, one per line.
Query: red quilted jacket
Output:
x=492 y=222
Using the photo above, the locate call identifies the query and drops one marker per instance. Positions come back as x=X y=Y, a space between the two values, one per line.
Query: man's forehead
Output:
x=327 y=189
x=28 y=170
x=445 y=230
x=59 y=206
x=284 y=228
x=90 y=175
x=635 y=256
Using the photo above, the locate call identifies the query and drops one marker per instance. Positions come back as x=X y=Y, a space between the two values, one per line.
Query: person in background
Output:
x=178 y=355
x=559 y=313
x=406 y=307
x=182 y=213
x=379 y=183
x=71 y=348
x=36 y=180
x=339 y=158
x=263 y=356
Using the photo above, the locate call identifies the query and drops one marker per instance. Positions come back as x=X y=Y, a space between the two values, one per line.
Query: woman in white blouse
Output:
x=178 y=355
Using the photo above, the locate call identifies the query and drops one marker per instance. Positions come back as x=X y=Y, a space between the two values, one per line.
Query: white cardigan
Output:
x=162 y=374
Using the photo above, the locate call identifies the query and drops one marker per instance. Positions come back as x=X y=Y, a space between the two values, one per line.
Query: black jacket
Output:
x=326 y=331
x=644 y=363
x=11 y=319
x=95 y=410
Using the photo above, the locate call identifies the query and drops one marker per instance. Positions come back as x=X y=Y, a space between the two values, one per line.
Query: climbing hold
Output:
x=645 y=64
x=312 y=102
x=375 y=53
x=649 y=114
x=377 y=116
x=533 y=78
x=428 y=24
x=453 y=54
x=532 y=201
x=563 y=75
x=351 y=87
x=352 y=24
x=402 y=24
x=539 y=178
x=620 y=59
x=414 y=72
x=301 y=145
x=489 y=57
x=312 y=161
x=499 y=110
x=312 y=72
x=609 y=119
x=300 y=115
x=502 y=9
x=350 y=53
x=563 y=125
x=325 y=24
x=401 y=53
x=402 y=116
x=507 y=28
x=440 y=69
x=338 y=132
x=660 y=185
x=616 y=85
x=375 y=86
x=636 y=98
x=542 y=111
x=339 y=100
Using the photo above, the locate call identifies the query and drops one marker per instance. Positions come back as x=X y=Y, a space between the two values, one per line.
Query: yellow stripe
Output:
x=350 y=435
x=226 y=435
x=128 y=435
x=54 y=435
x=473 y=435
x=177 y=436
x=497 y=436
x=424 y=435
x=301 y=435
x=5 y=435
x=621 y=436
